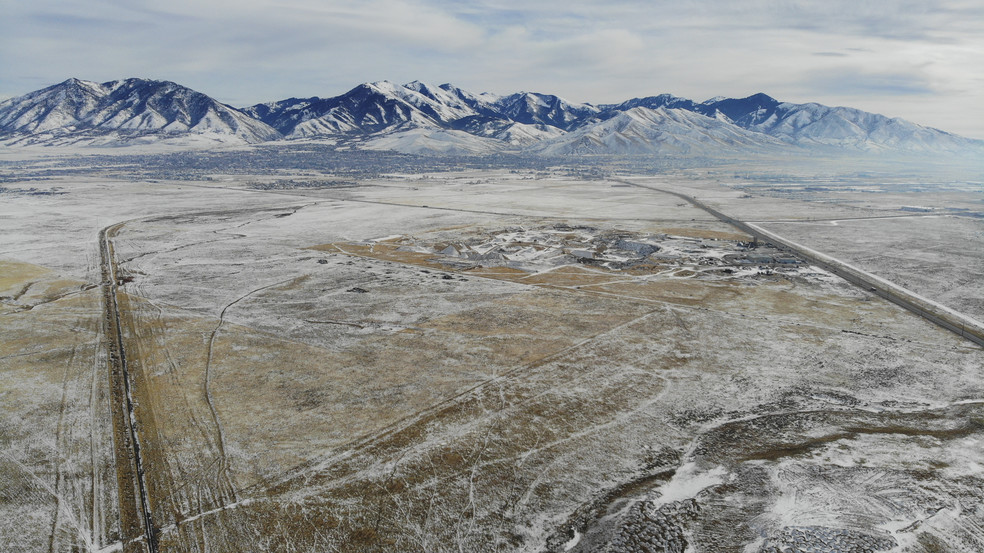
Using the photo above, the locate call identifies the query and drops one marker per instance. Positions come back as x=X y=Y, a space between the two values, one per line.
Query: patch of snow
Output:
x=573 y=541
x=688 y=482
x=433 y=141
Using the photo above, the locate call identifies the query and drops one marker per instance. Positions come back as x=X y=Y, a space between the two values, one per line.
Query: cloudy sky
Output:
x=922 y=60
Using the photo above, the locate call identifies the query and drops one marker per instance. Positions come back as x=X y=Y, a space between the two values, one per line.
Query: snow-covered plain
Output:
x=434 y=362
x=921 y=229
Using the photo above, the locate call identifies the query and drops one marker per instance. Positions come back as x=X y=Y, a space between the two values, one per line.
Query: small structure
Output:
x=640 y=248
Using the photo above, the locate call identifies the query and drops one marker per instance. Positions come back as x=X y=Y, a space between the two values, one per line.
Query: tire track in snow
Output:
x=223 y=469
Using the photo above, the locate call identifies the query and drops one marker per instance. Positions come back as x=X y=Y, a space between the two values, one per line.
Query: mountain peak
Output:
x=418 y=86
x=384 y=86
x=118 y=111
x=653 y=102
x=79 y=110
x=75 y=84
x=762 y=98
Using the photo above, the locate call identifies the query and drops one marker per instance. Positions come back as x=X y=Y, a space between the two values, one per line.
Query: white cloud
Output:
x=895 y=57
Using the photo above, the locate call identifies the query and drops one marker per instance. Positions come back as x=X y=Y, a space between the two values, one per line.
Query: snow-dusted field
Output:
x=924 y=232
x=478 y=360
x=907 y=251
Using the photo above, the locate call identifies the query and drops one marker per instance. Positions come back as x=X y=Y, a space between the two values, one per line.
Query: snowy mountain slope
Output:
x=526 y=118
x=84 y=111
x=642 y=130
x=521 y=134
x=483 y=103
x=744 y=112
x=448 y=119
x=433 y=141
x=49 y=109
x=816 y=124
x=853 y=128
x=653 y=102
x=370 y=108
x=384 y=106
x=446 y=102
x=544 y=109
x=364 y=109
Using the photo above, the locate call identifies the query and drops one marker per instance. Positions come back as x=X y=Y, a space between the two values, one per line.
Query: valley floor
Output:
x=476 y=361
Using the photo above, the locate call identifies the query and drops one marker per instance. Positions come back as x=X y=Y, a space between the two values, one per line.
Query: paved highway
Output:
x=941 y=315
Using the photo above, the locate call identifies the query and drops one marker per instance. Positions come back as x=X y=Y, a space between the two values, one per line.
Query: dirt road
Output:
x=137 y=522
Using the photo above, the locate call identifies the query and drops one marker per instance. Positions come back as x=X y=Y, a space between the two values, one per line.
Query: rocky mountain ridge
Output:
x=114 y=112
x=424 y=119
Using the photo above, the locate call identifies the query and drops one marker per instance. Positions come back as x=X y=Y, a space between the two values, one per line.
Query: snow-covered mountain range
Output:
x=118 y=112
x=421 y=118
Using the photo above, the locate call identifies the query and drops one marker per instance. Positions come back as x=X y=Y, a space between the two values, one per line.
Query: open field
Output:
x=475 y=361
x=906 y=250
x=922 y=231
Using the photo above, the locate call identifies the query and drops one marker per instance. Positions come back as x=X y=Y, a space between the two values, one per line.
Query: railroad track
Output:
x=140 y=534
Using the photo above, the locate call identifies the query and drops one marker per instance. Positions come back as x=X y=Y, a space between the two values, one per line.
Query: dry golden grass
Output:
x=324 y=248
x=54 y=422
x=26 y=286
x=389 y=436
x=774 y=296
x=687 y=292
x=281 y=403
x=702 y=233
x=14 y=275
x=572 y=275
x=499 y=273
x=384 y=251
x=514 y=439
